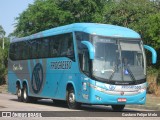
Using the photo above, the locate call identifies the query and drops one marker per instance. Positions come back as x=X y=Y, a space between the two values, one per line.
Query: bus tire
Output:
x=26 y=98
x=19 y=94
x=72 y=104
x=117 y=107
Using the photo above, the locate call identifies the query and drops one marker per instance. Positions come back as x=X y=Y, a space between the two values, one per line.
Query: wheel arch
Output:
x=19 y=83
x=25 y=82
x=69 y=85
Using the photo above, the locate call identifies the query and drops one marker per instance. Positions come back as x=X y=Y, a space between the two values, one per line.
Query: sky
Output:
x=9 y=10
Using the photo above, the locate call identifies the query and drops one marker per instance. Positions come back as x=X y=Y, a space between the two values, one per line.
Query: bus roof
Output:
x=91 y=28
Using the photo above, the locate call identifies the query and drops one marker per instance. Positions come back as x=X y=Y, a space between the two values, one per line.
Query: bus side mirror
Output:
x=91 y=49
x=154 y=53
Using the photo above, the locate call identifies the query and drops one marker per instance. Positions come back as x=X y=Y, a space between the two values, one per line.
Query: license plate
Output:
x=122 y=100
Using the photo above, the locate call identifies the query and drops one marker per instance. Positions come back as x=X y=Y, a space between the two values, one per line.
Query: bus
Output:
x=80 y=63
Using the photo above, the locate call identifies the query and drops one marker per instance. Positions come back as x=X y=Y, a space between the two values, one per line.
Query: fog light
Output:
x=141 y=99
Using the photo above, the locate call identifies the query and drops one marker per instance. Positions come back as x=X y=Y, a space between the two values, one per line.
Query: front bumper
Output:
x=99 y=97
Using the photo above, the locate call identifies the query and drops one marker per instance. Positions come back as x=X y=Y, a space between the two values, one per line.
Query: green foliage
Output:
x=129 y=13
x=45 y=14
x=3 y=56
x=152 y=71
x=3 y=62
x=152 y=32
x=2 y=32
x=83 y=10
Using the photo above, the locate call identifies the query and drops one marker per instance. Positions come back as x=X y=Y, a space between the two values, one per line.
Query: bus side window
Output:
x=63 y=45
x=43 y=45
x=12 y=53
x=70 y=49
x=16 y=51
x=34 y=48
x=25 y=50
x=83 y=52
x=22 y=49
x=54 y=45
x=84 y=62
x=66 y=46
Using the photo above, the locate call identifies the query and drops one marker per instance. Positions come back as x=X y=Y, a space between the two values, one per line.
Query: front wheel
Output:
x=71 y=101
x=117 y=107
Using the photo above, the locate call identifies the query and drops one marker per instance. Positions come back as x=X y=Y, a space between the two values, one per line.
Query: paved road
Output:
x=9 y=102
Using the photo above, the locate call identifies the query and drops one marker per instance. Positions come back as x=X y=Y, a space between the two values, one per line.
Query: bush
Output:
x=3 y=73
x=153 y=79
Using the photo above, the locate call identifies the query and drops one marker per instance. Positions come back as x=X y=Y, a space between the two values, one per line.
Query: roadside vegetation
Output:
x=142 y=16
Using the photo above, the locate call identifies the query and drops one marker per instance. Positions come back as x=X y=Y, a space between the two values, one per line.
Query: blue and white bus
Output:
x=79 y=63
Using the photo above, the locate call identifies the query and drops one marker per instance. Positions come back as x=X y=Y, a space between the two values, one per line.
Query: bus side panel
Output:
x=51 y=85
x=62 y=85
x=17 y=71
x=37 y=69
x=61 y=71
x=12 y=82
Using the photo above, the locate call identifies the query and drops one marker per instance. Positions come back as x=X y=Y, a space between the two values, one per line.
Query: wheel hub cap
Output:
x=25 y=94
x=71 y=98
x=19 y=93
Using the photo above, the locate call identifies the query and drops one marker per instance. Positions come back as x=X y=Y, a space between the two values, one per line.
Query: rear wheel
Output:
x=26 y=98
x=19 y=94
x=71 y=101
x=118 y=107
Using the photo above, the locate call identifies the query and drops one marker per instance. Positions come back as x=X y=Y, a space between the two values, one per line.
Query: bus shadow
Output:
x=103 y=108
x=46 y=102
x=84 y=107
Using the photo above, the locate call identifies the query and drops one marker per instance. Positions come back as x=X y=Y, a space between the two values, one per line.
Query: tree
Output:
x=84 y=10
x=128 y=12
x=3 y=56
x=152 y=32
x=2 y=32
x=45 y=14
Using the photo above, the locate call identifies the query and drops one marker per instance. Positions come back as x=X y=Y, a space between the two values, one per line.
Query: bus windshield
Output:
x=118 y=60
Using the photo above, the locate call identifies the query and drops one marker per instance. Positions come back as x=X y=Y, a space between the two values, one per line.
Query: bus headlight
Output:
x=84 y=86
x=142 y=90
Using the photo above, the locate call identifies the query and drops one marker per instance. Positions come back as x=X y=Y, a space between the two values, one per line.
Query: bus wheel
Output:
x=19 y=94
x=118 y=107
x=72 y=104
x=26 y=98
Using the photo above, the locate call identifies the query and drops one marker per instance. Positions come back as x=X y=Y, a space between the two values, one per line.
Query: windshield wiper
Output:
x=112 y=74
x=130 y=73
